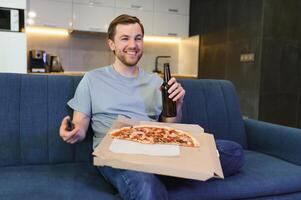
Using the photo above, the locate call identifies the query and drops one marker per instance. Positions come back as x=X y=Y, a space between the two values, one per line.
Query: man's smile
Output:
x=131 y=52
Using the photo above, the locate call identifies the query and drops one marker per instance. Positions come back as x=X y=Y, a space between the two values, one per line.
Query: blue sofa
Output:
x=36 y=164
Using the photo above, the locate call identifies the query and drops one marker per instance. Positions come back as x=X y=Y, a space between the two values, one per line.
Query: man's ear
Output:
x=111 y=45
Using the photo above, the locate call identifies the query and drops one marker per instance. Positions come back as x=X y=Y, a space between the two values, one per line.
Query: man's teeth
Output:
x=131 y=52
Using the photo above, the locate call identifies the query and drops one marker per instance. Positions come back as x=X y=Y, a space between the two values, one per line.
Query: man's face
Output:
x=128 y=44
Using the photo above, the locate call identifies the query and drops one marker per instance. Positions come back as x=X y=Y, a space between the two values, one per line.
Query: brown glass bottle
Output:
x=169 y=106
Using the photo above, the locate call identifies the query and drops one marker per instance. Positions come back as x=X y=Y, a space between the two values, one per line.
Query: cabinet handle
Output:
x=95 y=29
x=98 y=3
x=136 y=6
x=50 y=25
x=173 y=10
x=172 y=34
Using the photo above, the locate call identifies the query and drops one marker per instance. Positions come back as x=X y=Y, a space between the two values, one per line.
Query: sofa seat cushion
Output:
x=291 y=196
x=262 y=175
x=57 y=181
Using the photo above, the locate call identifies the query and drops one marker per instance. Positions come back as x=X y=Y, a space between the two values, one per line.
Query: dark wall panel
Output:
x=214 y=21
x=244 y=19
x=228 y=29
x=195 y=17
x=282 y=19
x=281 y=63
x=270 y=87
x=213 y=61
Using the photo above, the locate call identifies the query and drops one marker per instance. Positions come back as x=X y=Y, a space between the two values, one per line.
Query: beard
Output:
x=127 y=60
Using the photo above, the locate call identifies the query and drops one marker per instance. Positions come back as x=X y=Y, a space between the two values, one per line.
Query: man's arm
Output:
x=176 y=93
x=81 y=124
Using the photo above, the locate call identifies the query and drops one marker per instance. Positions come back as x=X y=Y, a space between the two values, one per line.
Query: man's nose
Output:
x=132 y=43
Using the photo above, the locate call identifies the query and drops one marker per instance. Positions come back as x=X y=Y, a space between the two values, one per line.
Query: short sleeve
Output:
x=81 y=101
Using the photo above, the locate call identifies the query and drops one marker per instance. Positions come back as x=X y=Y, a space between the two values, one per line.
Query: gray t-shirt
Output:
x=103 y=94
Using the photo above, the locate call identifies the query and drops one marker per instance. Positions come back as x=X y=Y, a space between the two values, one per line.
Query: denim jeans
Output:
x=134 y=185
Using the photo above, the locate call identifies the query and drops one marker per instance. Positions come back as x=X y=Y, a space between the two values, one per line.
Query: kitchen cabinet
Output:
x=142 y=5
x=159 y=17
x=20 y=4
x=69 y=1
x=171 y=17
x=143 y=9
x=105 y=3
x=92 y=18
x=52 y=13
x=170 y=24
x=13 y=52
x=172 y=6
x=146 y=18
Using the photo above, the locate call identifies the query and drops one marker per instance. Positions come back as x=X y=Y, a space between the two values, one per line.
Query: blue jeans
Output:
x=134 y=185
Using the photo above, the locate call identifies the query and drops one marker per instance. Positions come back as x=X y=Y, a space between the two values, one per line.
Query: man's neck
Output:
x=127 y=71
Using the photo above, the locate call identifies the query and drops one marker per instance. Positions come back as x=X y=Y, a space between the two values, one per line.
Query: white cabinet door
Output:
x=20 y=4
x=145 y=17
x=92 y=18
x=51 y=13
x=110 y=3
x=171 y=25
x=13 y=52
x=142 y=5
x=69 y=1
x=172 y=6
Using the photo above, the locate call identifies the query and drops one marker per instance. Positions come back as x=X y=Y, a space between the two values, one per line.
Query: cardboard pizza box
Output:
x=200 y=163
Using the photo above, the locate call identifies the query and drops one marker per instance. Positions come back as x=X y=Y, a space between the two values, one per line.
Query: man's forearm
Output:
x=81 y=133
x=81 y=121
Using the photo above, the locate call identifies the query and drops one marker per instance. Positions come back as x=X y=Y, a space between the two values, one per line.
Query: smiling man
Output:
x=125 y=89
x=126 y=42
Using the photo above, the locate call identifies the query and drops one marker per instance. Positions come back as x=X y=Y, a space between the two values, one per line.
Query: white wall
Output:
x=84 y=52
x=188 y=56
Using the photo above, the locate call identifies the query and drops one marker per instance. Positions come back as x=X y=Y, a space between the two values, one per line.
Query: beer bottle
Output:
x=169 y=106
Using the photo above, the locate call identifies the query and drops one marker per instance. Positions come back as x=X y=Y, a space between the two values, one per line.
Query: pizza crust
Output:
x=191 y=136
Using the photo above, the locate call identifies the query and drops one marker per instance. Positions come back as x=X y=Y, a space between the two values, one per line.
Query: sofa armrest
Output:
x=276 y=140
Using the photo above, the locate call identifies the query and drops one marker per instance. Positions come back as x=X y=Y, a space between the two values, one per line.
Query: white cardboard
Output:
x=129 y=147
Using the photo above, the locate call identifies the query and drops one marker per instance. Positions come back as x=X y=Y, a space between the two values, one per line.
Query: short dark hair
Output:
x=122 y=19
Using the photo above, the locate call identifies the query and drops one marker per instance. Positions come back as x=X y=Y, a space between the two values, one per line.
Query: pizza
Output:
x=149 y=134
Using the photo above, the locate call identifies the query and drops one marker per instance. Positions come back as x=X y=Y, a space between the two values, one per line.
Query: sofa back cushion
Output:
x=32 y=107
x=213 y=104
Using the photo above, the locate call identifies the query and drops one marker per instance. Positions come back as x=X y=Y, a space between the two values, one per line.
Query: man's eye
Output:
x=124 y=39
x=139 y=39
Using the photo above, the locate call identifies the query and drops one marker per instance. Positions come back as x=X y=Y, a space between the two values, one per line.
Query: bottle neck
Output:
x=166 y=76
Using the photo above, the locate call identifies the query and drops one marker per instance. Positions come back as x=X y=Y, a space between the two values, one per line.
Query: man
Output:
x=125 y=89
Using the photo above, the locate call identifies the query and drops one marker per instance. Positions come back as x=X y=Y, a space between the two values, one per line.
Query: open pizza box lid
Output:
x=201 y=163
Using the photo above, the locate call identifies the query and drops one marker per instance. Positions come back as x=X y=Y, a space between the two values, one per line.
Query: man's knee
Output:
x=151 y=187
x=136 y=185
x=231 y=156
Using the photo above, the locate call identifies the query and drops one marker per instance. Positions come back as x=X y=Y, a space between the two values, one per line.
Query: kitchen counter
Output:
x=181 y=75
x=184 y=76
x=71 y=73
